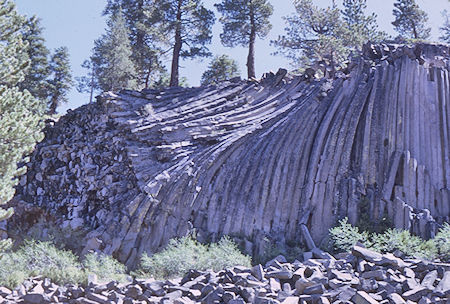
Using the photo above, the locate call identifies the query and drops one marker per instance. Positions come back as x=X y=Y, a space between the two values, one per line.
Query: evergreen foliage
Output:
x=325 y=37
x=445 y=28
x=243 y=21
x=361 y=28
x=314 y=35
x=144 y=36
x=90 y=82
x=47 y=81
x=187 y=28
x=410 y=21
x=220 y=69
x=20 y=112
x=36 y=78
x=60 y=80
x=111 y=62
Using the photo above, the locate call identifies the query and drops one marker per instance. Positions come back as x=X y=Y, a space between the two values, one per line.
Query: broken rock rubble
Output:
x=313 y=281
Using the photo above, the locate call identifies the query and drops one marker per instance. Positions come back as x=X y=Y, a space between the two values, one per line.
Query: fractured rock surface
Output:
x=253 y=159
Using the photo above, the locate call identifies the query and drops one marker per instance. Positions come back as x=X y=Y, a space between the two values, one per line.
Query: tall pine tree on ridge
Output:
x=410 y=21
x=243 y=21
x=111 y=64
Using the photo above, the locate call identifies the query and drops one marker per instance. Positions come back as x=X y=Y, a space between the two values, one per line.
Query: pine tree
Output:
x=410 y=21
x=187 y=26
x=243 y=21
x=111 y=61
x=325 y=37
x=61 y=79
x=88 y=84
x=221 y=68
x=445 y=29
x=20 y=112
x=144 y=36
x=361 y=28
x=36 y=78
x=314 y=35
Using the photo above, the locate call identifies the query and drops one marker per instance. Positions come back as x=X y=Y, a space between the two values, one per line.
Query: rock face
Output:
x=254 y=160
x=315 y=281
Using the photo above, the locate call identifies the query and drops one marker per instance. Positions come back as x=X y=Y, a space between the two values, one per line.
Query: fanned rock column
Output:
x=254 y=160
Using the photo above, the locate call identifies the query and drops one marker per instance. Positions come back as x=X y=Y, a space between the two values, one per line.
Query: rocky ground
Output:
x=362 y=277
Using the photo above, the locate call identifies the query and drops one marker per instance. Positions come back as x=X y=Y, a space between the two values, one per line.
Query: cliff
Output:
x=258 y=160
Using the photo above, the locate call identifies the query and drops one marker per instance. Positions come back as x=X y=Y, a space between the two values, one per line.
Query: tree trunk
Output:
x=92 y=89
x=416 y=36
x=147 y=75
x=251 y=47
x=174 y=75
x=139 y=45
x=53 y=105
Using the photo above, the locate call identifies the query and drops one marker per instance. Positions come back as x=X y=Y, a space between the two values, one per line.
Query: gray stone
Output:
x=36 y=298
x=415 y=294
x=395 y=298
x=228 y=296
x=444 y=284
x=281 y=274
x=429 y=279
x=314 y=289
x=369 y=285
x=4 y=291
x=307 y=255
x=362 y=297
x=301 y=284
x=274 y=284
x=378 y=275
x=291 y=300
x=366 y=254
x=97 y=298
x=173 y=295
x=258 y=272
x=134 y=291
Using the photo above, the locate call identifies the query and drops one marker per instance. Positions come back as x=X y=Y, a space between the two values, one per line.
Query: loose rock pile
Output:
x=361 y=277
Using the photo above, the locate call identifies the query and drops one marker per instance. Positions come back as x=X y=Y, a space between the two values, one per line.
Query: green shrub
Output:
x=271 y=248
x=344 y=236
x=40 y=258
x=37 y=258
x=442 y=241
x=225 y=254
x=186 y=253
x=105 y=267
x=402 y=240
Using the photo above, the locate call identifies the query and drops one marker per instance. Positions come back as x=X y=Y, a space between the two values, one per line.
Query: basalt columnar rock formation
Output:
x=278 y=159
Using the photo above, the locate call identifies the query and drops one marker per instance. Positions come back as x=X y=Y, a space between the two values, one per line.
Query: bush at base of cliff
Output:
x=344 y=236
x=36 y=258
x=442 y=241
x=186 y=253
x=39 y=258
x=105 y=267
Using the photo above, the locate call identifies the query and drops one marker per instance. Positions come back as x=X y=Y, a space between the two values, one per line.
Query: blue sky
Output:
x=77 y=23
